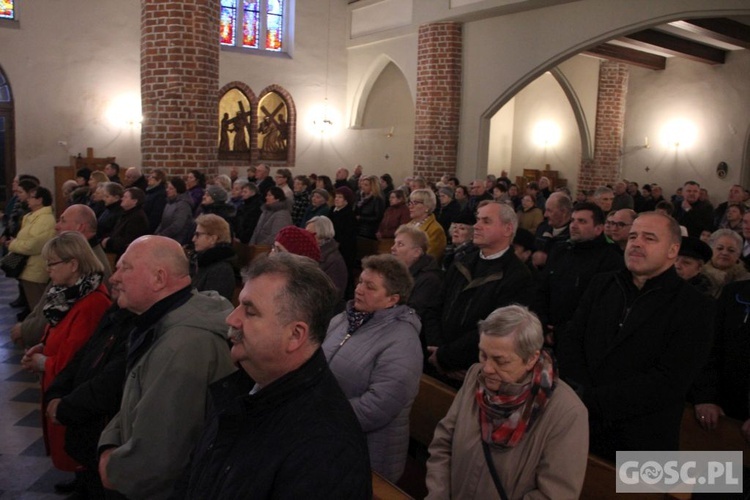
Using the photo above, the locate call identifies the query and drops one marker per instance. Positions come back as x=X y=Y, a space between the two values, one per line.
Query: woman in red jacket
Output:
x=73 y=307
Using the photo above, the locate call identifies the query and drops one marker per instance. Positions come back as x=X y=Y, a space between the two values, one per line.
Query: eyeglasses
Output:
x=619 y=225
x=413 y=202
x=53 y=264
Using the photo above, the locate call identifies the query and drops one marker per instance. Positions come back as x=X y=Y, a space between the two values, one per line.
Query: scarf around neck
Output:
x=61 y=298
x=506 y=415
x=355 y=318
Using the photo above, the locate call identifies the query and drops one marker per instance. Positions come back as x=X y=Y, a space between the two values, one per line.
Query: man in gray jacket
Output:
x=178 y=347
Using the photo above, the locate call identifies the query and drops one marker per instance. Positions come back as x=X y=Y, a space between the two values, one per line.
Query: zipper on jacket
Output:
x=341 y=344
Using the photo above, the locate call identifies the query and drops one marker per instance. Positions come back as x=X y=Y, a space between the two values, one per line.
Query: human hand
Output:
x=15 y=335
x=103 y=462
x=432 y=349
x=52 y=410
x=708 y=414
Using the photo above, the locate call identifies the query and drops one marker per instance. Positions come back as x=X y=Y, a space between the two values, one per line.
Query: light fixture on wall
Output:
x=679 y=133
x=125 y=109
x=390 y=132
x=546 y=133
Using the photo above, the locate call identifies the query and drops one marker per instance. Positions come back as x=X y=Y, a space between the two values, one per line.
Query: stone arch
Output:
x=362 y=93
x=291 y=122
x=567 y=52
x=7 y=138
x=587 y=144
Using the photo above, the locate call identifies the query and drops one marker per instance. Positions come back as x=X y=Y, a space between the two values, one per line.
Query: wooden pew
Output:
x=599 y=484
x=430 y=406
x=726 y=437
x=382 y=489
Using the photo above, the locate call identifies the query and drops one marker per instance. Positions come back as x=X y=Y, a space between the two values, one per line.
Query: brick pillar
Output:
x=438 y=100
x=179 y=80
x=610 y=124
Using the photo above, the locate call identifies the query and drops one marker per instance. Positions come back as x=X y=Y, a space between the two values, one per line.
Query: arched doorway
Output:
x=7 y=142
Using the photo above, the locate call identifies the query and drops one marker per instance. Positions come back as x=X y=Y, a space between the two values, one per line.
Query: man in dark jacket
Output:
x=571 y=266
x=248 y=213
x=636 y=343
x=484 y=280
x=696 y=215
x=280 y=427
x=156 y=198
x=555 y=228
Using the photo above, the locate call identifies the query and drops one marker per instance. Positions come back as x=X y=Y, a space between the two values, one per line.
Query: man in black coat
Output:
x=554 y=229
x=696 y=215
x=280 y=426
x=571 y=266
x=488 y=278
x=263 y=178
x=636 y=343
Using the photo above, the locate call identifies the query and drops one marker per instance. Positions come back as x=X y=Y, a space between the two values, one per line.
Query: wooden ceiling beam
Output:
x=676 y=46
x=628 y=55
x=720 y=29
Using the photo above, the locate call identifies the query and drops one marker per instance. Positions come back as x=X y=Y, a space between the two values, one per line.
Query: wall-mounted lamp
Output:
x=125 y=110
x=390 y=132
x=546 y=133
x=679 y=133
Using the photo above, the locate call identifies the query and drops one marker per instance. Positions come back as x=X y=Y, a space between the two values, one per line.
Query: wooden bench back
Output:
x=431 y=405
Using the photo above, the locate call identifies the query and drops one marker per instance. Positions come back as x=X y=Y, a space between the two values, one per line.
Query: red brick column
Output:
x=179 y=79
x=610 y=124
x=438 y=100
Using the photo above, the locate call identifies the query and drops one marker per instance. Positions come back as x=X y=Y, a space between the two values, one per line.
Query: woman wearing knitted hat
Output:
x=214 y=201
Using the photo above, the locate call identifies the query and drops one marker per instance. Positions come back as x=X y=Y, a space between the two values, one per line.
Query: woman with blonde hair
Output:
x=73 y=307
x=422 y=203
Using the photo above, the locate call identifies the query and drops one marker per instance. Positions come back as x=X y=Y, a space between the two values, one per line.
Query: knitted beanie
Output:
x=299 y=242
x=218 y=194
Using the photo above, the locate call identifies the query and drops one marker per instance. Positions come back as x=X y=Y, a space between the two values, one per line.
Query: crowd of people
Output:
x=568 y=324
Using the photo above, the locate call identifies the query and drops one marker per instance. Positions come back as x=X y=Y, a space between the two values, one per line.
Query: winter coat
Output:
x=196 y=196
x=345 y=226
x=425 y=298
x=369 y=213
x=378 y=368
x=279 y=442
x=393 y=218
x=332 y=263
x=156 y=200
x=90 y=386
x=632 y=354
x=530 y=219
x=549 y=462
x=213 y=269
x=37 y=228
x=474 y=288
x=165 y=397
x=177 y=220
x=247 y=218
x=273 y=218
x=107 y=221
x=436 y=239
x=299 y=207
x=311 y=212
x=720 y=279
x=61 y=342
x=133 y=224
x=447 y=214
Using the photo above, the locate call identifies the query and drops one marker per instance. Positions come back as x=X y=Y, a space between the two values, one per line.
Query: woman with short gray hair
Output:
x=513 y=414
x=725 y=266
x=331 y=261
x=422 y=203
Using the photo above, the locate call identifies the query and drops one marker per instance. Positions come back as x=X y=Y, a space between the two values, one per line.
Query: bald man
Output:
x=79 y=218
x=178 y=347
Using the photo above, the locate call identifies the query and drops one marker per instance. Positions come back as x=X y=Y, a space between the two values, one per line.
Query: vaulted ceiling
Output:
x=704 y=40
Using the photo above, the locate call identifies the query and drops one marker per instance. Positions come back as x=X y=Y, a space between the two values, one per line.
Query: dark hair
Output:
x=159 y=174
x=596 y=212
x=308 y=295
x=27 y=184
x=666 y=206
x=137 y=194
x=116 y=166
x=277 y=193
x=199 y=176
x=455 y=181
x=43 y=194
x=178 y=184
x=388 y=180
x=327 y=184
x=303 y=179
x=29 y=177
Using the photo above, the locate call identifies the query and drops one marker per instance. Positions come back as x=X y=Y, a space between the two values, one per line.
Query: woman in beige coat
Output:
x=512 y=402
x=37 y=228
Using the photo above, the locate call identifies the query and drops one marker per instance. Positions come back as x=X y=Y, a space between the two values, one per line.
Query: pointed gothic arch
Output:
x=7 y=139
x=362 y=93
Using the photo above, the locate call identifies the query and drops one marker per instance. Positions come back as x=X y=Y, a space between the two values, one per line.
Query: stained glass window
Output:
x=227 y=21
x=262 y=23
x=7 y=9
x=250 y=24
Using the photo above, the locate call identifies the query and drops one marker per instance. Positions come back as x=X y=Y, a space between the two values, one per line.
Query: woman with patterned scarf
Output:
x=73 y=307
x=515 y=430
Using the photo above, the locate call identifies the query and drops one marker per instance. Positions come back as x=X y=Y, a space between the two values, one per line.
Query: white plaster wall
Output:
x=716 y=99
x=501 y=139
x=582 y=73
x=502 y=54
x=544 y=100
x=67 y=64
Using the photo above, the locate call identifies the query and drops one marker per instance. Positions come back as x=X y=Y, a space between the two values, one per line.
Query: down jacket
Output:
x=378 y=368
x=273 y=218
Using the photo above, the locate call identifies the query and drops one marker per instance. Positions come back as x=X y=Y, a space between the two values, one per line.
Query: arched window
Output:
x=7 y=142
x=256 y=24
